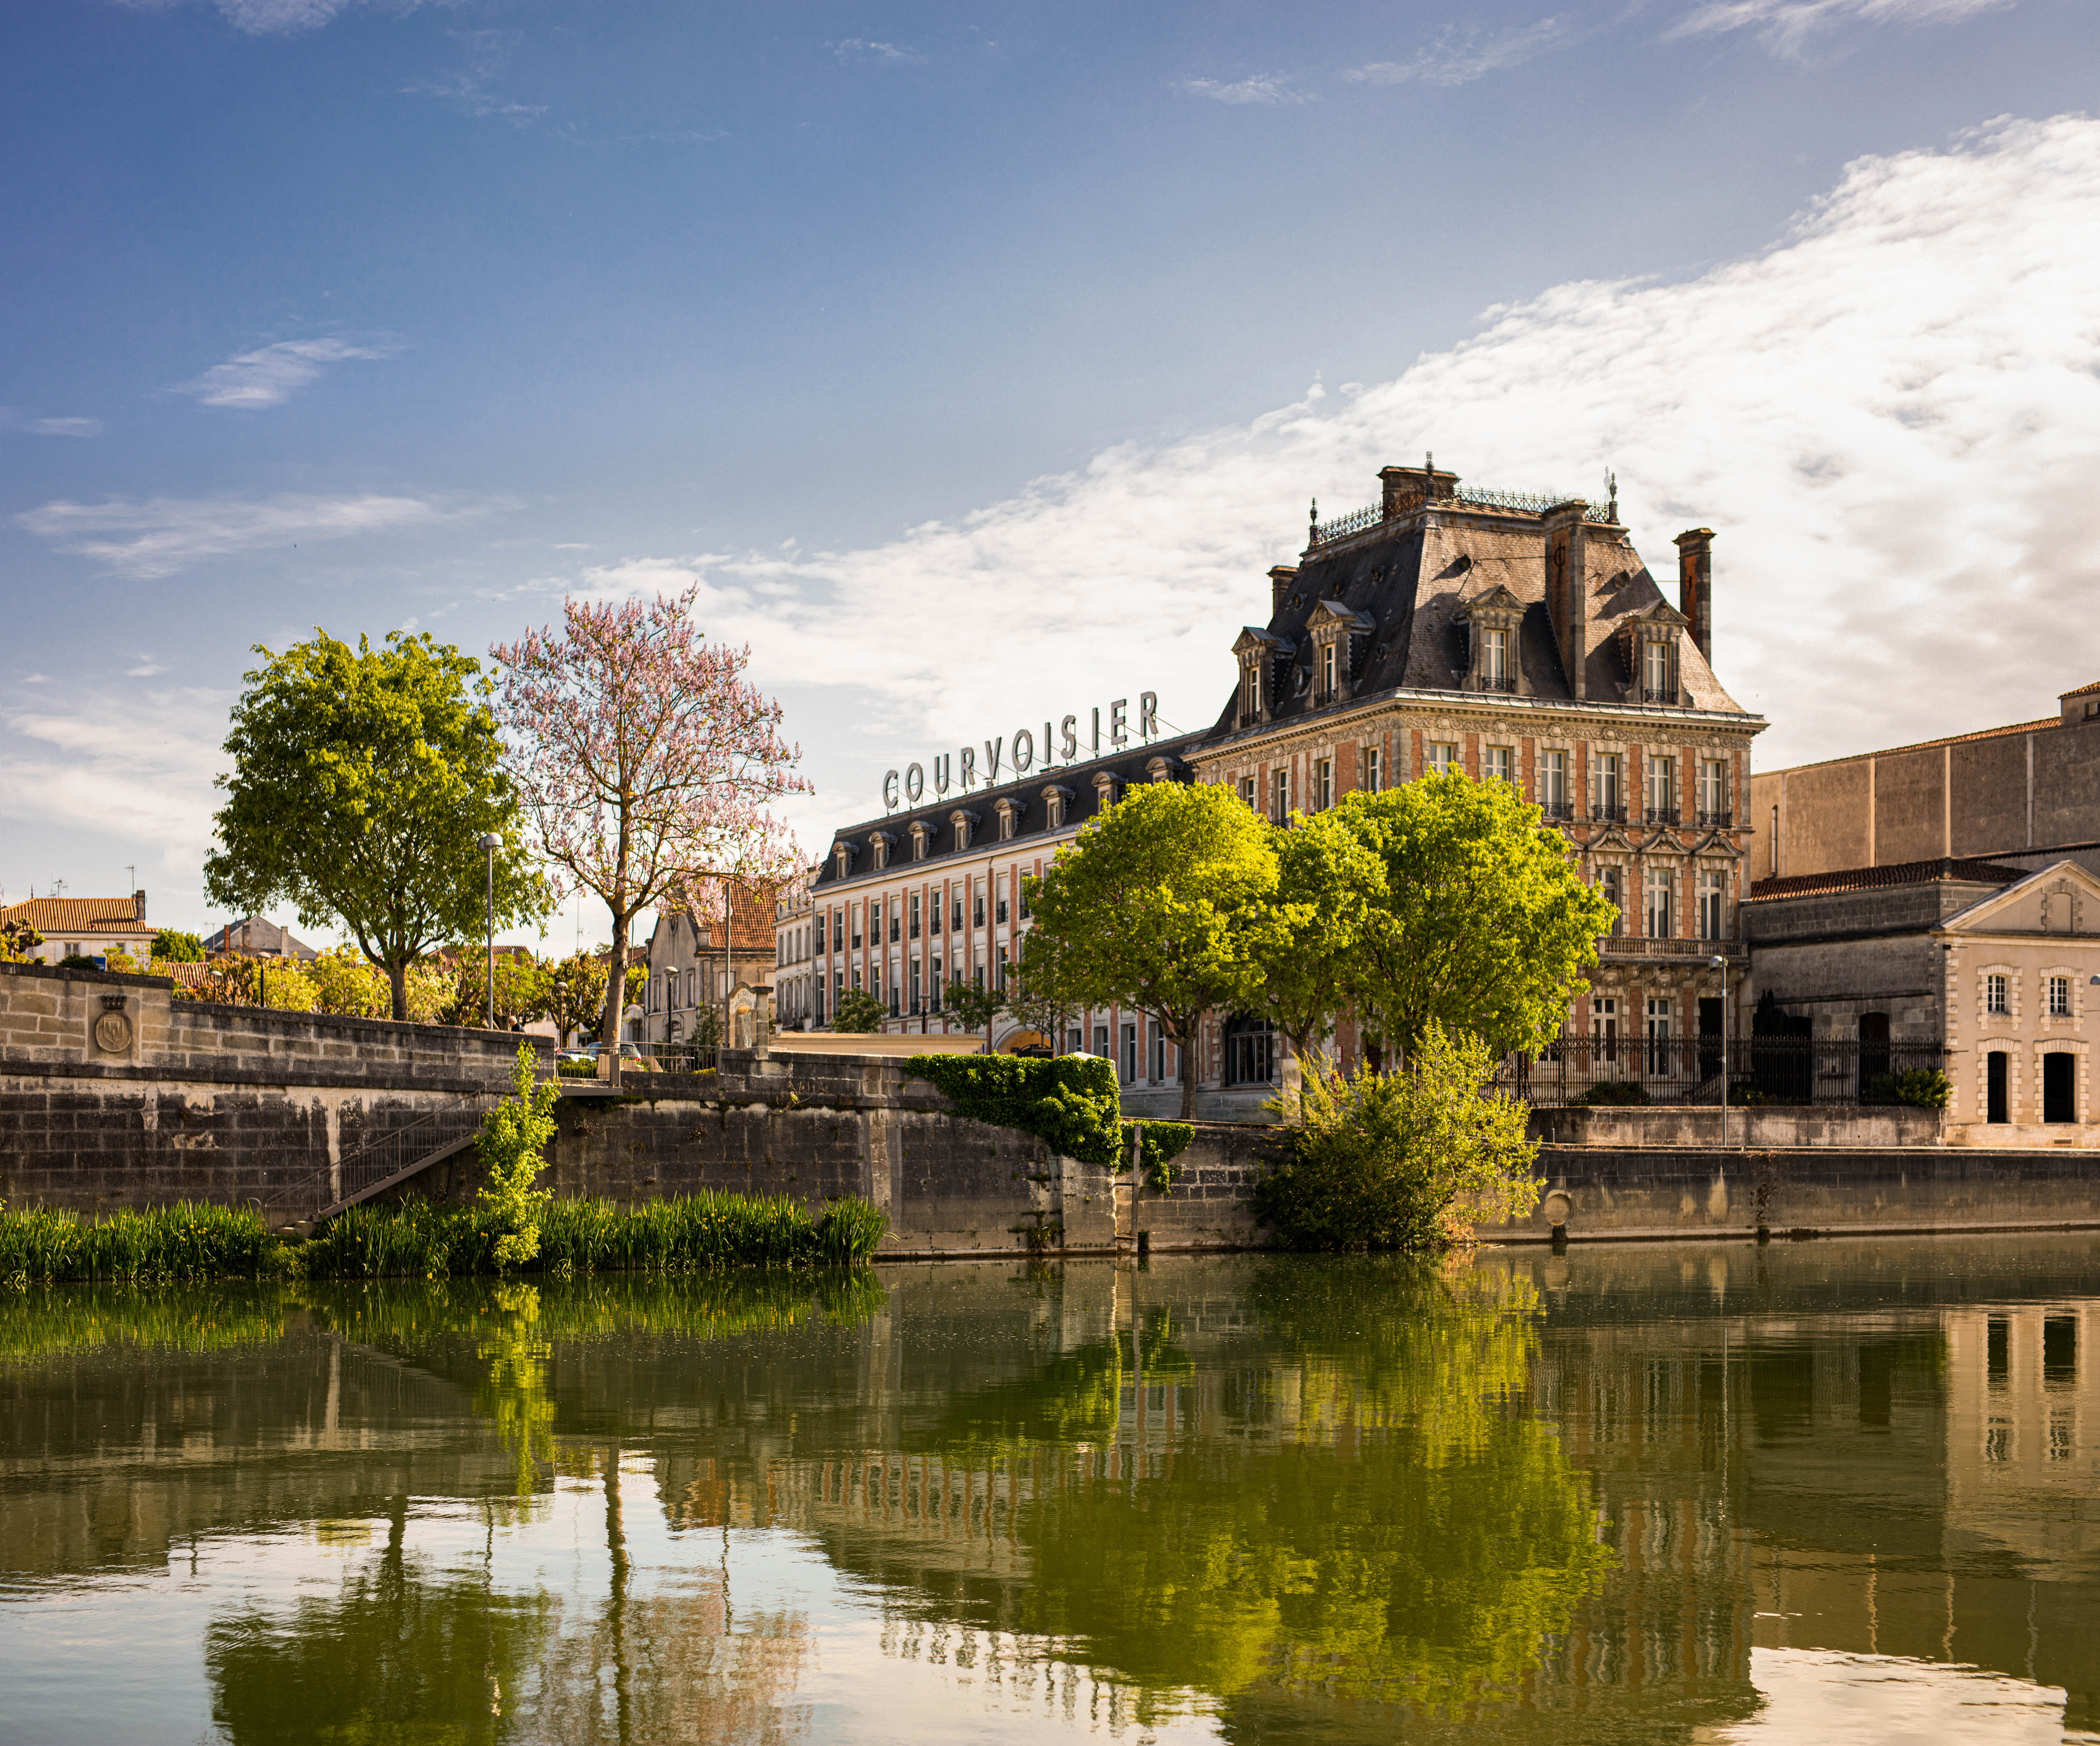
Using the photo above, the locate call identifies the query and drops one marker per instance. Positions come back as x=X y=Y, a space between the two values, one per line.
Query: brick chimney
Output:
x=1280 y=580
x=1405 y=485
x=1695 y=586
x=139 y=903
x=1567 y=590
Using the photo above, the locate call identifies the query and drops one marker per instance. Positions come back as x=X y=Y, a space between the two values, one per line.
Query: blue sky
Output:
x=977 y=360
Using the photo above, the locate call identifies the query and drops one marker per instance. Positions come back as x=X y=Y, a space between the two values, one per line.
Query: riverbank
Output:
x=193 y=1241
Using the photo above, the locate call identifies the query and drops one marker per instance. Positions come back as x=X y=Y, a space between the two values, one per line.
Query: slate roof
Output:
x=257 y=936
x=1412 y=583
x=1956 y=870
x=1129 y=766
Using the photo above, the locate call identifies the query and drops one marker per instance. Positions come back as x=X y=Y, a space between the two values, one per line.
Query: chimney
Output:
x=1695 y=586
x=1280 y=580
x=139 y=903
x=1402 y=486
x=1568 y=591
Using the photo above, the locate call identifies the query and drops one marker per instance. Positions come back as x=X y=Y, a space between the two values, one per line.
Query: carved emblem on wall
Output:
x=113 y=1030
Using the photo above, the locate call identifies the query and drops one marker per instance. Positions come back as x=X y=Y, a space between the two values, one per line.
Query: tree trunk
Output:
x=616 y=996
x=1186 y=1045
x=397 y=980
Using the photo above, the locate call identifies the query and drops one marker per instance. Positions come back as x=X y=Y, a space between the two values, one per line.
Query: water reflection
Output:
x=1653 y=1493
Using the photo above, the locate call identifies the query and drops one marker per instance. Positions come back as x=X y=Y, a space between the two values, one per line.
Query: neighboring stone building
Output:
x=690 y=973
x=797 y=978
x=2026 y=795
x=86 y=927
x=1986 y=971
x=257 y=936
x=1514 y=638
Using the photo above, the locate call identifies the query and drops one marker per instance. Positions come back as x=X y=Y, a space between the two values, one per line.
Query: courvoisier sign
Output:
x=1018 y=754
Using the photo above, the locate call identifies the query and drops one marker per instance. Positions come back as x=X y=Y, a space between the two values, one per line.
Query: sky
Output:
x=975 y=362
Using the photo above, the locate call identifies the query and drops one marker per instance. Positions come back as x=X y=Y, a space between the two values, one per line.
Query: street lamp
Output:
x=1721 y=964
x=491 y=843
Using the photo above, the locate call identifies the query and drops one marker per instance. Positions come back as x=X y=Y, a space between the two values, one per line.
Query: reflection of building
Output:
x=1444 y=628
x=1986 y=971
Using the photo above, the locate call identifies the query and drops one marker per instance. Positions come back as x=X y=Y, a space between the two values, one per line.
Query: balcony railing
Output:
x=1556 y=812
x=1650 y=945
x=1505 y=682
x=1652 y=694
x=1687 y=1070
x=1723 y=820
x=1661 y=815
x=1607 y=812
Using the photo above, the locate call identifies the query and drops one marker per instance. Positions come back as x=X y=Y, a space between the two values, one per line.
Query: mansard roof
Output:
x=1413 y=571
x=1029 y=797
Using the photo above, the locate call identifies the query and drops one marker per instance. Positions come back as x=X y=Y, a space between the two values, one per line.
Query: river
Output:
x=1713 y=1493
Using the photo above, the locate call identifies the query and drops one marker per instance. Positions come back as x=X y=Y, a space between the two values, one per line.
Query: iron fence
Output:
x=1578 y=1070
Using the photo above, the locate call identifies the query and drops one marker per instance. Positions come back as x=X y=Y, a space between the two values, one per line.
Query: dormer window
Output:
x=842 y=858
x=1326 y=669
x=1259 y=651
x=1491 y=622
x=1007 y=812
x=1105 y=794
x=1250 y=697
x=965 y=824
x=1494 y=658
x=881 y=842
x=1655 y=671
x=1055 y=801
x=921 y=834
x=1651 y=639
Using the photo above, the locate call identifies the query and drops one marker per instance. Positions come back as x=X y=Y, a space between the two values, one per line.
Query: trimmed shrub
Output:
x=1072 y=1103
x=1921 y=1088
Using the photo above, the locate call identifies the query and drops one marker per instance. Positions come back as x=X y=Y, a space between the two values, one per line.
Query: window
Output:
x=1655 y=671
x=1997 y=1105
x=958 y=918
x=1498 y=764
x=875 y=981
x=1660 y=886
x=2059 y=997
x=1101 y=1041
x=918 y=842
x=1713 y=792
x=1002 y=950
x=1026 y=913
x=977 y=906
x=1250 y=1051
x=1612 y=885
x=1607 y=801
x=1281 y=810
x=962 y=835
x=1130 y=1044
x=1604 y=1025
x=1553 y=784
x=1494 y=659
x=1253 y=706
x=934 y=914
x=1662 y=791
x=1326 y=671
x=933 y=975
x=1001 y=917
x=915 y=901
x=1006 y=818
x=1323 y=783
x=1439 y=759
x=1248 y=797
x=1053 y=809
x=1998 y=993
x=896 y=921
x=1159 y=1055
x=856 y=976
x=1658 y=1037
x=1712 y=898
x=915 y=981
x=1372 y=763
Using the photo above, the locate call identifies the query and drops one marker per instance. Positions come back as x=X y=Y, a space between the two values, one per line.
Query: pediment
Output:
x=1656 y=612
x=1253 y=637
x=1330 y=612
x=2060 y=902
x=1498 y=599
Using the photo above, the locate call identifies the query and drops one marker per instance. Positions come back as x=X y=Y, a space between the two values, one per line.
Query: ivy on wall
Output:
x=1070 y=1102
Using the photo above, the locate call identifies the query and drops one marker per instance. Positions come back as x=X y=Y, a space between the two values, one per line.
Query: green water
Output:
x=1695 y=1494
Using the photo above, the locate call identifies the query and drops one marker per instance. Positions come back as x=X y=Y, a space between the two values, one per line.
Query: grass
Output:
x=414 y=1239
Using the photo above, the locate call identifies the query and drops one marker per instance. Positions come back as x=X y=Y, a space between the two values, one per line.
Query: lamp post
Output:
x=491 y=842
x=1721 y=964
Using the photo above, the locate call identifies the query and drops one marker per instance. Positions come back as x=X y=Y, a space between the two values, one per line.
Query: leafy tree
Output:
x=363 y=782
x=344 y=983
x=1155 y=906
x=1403 y=1159
x=647 y=760
x=1482 y=923
x=974 y=1007
x=18 y=939
x=1306 y=945
x=523 y=989
x=859 y=1012
x=575 y=991
x=178 y=947
x=512 y=1146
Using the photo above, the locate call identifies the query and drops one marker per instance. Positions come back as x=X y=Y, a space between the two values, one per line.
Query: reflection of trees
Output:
x=400 y=1656
x=1367 y=1510
x=513 y=1394
x=46 y=1321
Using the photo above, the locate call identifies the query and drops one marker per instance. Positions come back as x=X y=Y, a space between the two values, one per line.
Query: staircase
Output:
x=406 y=1151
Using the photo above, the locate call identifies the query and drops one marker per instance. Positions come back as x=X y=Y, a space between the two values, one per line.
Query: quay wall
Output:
x=233 y=1104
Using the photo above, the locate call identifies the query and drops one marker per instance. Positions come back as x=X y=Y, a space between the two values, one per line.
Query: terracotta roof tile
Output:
x=1897 y=873
x=56 y=915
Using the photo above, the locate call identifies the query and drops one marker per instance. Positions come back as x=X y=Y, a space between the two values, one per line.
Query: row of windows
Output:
x=918 y=914
x=1659 y=896
x=1998 y=994
x=923 y=984
x=1549 y=781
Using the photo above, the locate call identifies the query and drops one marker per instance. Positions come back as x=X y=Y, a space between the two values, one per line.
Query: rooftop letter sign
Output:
x=1010 y=756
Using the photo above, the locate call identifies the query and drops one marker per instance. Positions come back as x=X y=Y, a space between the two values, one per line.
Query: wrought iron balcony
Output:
x=1661 y=815
x=1723 y=820
x=1607 y=812
x=1504 y=682
x=1556 y=812
x=1651 y=695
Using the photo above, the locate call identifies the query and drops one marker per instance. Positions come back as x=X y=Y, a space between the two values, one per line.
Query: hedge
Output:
x=1071 y=1103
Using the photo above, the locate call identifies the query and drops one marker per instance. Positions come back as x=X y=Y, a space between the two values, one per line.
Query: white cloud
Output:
x=272 y=375
x=1458 y=57
x=1260 y=88
x=148 y=667
x=488 y=53
x=1891 y=416
x=273 y=18
x=1787 y=25
x=160 y=535
x=886 y=54
x=12 y=418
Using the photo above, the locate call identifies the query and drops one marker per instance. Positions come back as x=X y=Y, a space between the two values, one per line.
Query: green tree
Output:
x=362 y=780
x=1482 y=924
x=974 y=1007
x=522 y=988
x=1306 y=945
x=1403 y=1159
x=512 y=1146
x=178 y=947
x=858 y=1011
x=575 y=991
x=344 y=983
x=1155 y=906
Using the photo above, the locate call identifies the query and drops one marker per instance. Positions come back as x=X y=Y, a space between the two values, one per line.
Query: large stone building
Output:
x=2024 y=795
x=1516 y=638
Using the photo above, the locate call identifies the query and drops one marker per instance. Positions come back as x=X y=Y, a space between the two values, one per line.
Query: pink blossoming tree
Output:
x=646 y=760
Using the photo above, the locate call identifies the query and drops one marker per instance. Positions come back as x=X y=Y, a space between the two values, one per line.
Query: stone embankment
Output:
x=112 y=1094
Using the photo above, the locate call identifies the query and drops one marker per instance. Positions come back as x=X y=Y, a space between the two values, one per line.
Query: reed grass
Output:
x=416 y=1239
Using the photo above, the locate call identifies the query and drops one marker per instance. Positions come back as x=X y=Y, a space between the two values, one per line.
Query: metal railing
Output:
x=1496 y=682
x=1342 y=526
x=1601 y=1071
x=674 y=1056
x=1557 y=812
x=1651 y=945
x=1466 y=496
x=1605 y=813
x=304 y=1193
x=1661 y=815
x=1721 y=821
x=1652 y=694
